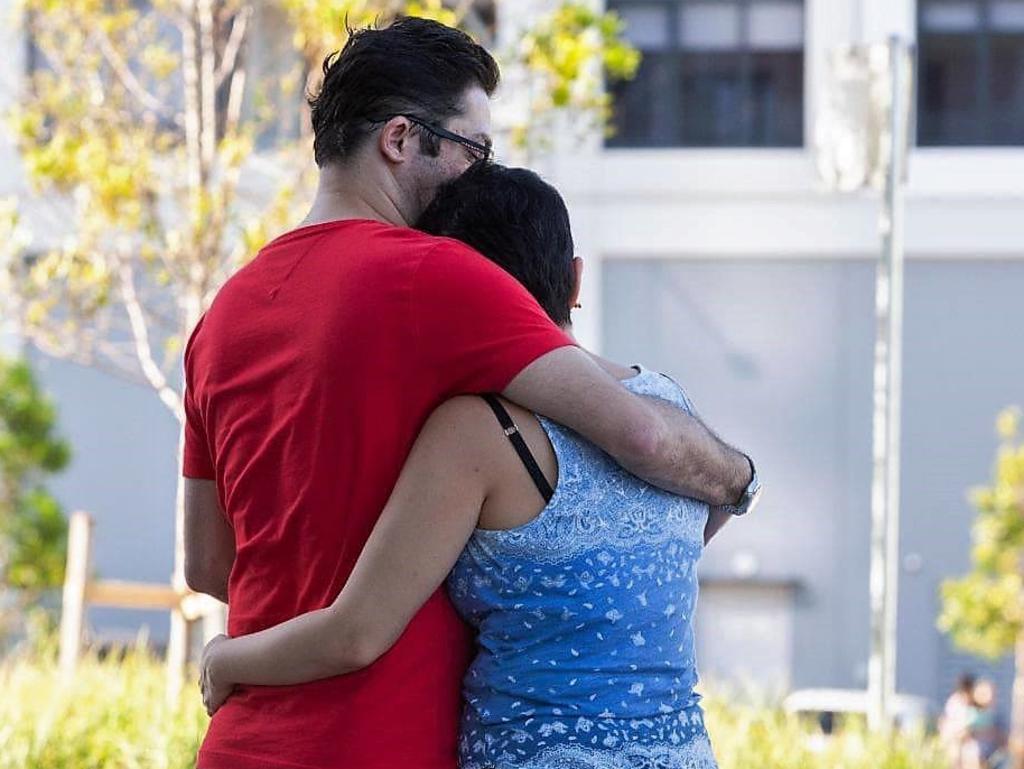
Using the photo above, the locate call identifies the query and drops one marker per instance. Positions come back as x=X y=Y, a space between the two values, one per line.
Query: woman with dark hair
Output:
x=578 y=577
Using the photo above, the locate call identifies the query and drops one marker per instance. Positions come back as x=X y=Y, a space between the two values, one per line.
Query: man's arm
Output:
x=652 y=439
x=209 y=540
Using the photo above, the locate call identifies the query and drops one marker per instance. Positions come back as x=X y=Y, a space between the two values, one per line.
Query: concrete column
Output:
x=829 y=24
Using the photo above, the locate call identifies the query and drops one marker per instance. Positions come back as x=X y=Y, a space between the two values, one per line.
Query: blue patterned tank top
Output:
x=585 y=622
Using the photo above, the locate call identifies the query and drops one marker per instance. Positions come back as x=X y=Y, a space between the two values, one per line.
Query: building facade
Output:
x=714 y=252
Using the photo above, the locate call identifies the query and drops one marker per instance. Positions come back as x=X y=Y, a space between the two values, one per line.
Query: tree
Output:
x=984 y=611
x=140 y=122
x=32 y=526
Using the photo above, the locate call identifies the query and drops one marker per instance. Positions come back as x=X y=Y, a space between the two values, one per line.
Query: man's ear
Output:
x=394 y=138
x=577 y=265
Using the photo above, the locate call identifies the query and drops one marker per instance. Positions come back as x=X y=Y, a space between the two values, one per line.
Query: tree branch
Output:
x=81 y=354
x=207 y=82
x=128 y=79
x=233 y=114
x=143 y=351
x=190 y=75
x=234 y=45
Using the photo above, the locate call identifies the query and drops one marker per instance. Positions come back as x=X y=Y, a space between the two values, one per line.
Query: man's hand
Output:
x=214 y=689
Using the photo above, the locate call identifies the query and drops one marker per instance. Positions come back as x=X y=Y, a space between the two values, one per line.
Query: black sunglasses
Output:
x=480 y=151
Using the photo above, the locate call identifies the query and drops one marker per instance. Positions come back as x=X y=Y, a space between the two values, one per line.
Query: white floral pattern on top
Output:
x=696 y=754
x=585 y=619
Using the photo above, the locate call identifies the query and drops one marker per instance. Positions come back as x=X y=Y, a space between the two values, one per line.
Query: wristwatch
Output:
x=750 y=495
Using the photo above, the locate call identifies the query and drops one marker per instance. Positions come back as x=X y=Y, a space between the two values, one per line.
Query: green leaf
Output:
x=983 y=611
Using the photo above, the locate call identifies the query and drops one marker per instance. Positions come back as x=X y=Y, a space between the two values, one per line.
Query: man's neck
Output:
x=348 y=194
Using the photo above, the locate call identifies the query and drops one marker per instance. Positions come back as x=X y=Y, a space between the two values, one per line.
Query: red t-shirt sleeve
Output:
x=198 y=459
x=476 y=327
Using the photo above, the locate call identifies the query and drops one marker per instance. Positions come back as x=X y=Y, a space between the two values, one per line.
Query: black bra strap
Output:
x=512 y=432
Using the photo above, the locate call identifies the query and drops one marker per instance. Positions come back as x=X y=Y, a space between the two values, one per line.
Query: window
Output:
x=971 y=63
x=715 y=73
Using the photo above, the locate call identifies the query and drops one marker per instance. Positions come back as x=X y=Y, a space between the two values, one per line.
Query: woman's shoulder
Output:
x=469 y=411
x=469 y=431
x=464 y=414
x=474 y=421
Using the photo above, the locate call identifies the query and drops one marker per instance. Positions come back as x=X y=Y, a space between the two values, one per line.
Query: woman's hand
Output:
x=215 y=690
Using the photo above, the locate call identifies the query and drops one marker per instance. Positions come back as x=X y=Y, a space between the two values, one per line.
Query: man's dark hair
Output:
x=414 y=66
x=518 y=221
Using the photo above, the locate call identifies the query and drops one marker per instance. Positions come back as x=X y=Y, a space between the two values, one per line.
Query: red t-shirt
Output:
x=307 y=383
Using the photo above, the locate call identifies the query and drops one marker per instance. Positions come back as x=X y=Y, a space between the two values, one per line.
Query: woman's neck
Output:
x=617 y=370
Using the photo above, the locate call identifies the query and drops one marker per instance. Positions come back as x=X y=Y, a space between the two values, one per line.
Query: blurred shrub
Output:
x=115 y=716
x=747 y=736
x=33 y=531
x=983 y=611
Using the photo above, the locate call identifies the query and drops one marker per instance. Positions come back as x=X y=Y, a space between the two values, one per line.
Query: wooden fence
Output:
x=81 y=591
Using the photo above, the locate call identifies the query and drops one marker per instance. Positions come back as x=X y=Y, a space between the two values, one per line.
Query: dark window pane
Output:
x=645 y=108
x=777 y=96
x=971 y=72
x=722 y=73
x=714 y=100
x=1007 y=90
x=949 y=95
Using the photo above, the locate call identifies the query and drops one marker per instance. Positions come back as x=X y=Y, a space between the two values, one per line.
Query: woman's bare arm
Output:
x=426 y=523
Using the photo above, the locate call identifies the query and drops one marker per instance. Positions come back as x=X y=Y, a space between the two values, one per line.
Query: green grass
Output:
x=114 y=715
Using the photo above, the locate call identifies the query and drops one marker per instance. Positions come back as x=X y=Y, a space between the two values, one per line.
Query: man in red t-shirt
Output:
x=312 y=372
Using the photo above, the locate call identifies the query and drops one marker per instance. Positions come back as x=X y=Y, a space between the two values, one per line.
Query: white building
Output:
x=715 y=253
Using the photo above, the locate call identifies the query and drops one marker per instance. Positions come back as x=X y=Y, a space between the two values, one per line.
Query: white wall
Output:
x=745 y=635
x=962 y=203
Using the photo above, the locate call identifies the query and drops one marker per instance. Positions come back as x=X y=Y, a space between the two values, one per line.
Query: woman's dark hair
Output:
x=414 y=66
x=518 y=221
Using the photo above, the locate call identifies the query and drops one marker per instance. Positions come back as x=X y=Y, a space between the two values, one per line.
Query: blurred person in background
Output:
x=985 y=737
x=953 y=721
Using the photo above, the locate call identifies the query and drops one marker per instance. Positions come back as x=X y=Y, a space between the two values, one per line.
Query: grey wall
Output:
x=778 y=357
x=123 y=472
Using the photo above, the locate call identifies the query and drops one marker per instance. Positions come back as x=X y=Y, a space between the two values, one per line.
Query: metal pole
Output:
x=885 y=487
x=894 y=243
